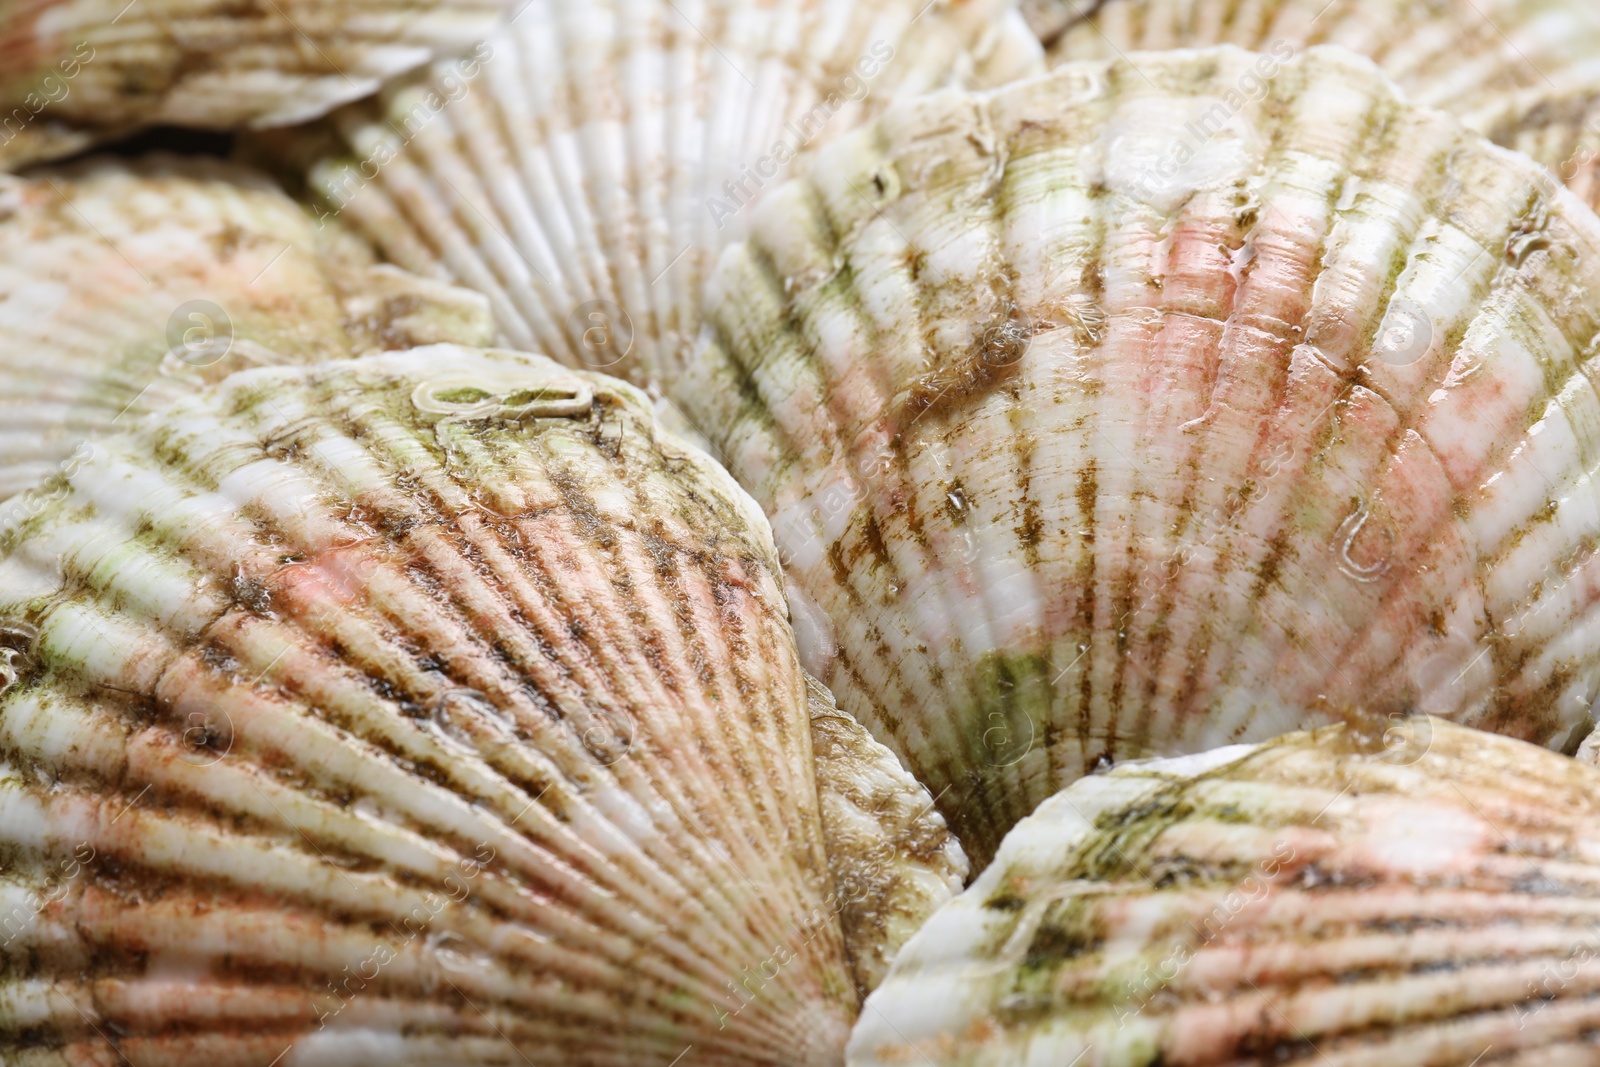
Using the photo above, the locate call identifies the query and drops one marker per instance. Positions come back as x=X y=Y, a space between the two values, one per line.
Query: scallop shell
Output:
x=428 y=708
x=585 y=173
x=892 y=858
x=1524 y=72
x=1560 y=128
x=1085 y=437
x=1424 y=898
x=40 y=140
x=124 y=285
x=76 y=71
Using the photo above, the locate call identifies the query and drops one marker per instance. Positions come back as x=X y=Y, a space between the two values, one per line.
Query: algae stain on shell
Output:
x=1205 y=502
x=381 y=731
x=1315 y=899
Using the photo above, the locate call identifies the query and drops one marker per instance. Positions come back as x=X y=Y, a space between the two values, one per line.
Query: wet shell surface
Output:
x=1524 y=72
x=586 y=165
x=893 y=860
x=1424 y=898
x=429 y=708
x=125 y=285
x=76 y=71
x=1087 y=436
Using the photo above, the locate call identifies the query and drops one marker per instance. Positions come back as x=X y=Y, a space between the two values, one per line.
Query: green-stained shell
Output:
x=435 y=707
x=1124 y=412
x=1524 y=72
x=124 y=285
x=585 y=166
x=893 y=859
x=1423 y=898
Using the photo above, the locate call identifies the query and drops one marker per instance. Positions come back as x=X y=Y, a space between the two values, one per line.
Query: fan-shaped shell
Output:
x=1524 y=72
x=124 y=285
x=76 y=71
x=1088 y=436
x=1422 y=899
x=428 y=708
x=586 y=172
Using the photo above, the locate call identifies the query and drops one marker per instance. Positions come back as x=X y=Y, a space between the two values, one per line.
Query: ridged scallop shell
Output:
x=124 y=285
x=428 y=708
x=893 y=860
x=1422 y=899
x=76 y=71
x=585 y=173
x=1524 y=72
x=1077 y=452
x=40 y=140
x=1560 y=128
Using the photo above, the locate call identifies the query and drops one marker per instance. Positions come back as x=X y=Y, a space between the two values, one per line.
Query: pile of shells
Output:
x=799 y=532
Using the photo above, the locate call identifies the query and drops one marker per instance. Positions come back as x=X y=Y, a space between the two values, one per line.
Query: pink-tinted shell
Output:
x=429 y=708
x=1424 y=898
x=1164 y=403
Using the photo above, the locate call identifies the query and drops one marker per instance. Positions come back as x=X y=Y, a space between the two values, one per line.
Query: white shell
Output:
x=430 y=708
x=1133 y=414
x=124 y=285
x=1524 y=72
x=585 y=165
x=1423 y=897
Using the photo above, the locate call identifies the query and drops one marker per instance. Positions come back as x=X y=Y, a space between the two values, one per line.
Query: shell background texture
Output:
x=1128 y=417
x=893 y=859
x=585 y=172
x=1524 y=72
x=76 y=71
x=124 y=285
x=418 y=709
x=1425 y=898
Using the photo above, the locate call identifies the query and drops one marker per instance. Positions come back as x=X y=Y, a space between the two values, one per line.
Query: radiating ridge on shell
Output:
x=73 y=72
x=585 y=172
x=1524 y=72
x=1423 y=895
x=1133 y=413
x=125 y=284
x=430 y=707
